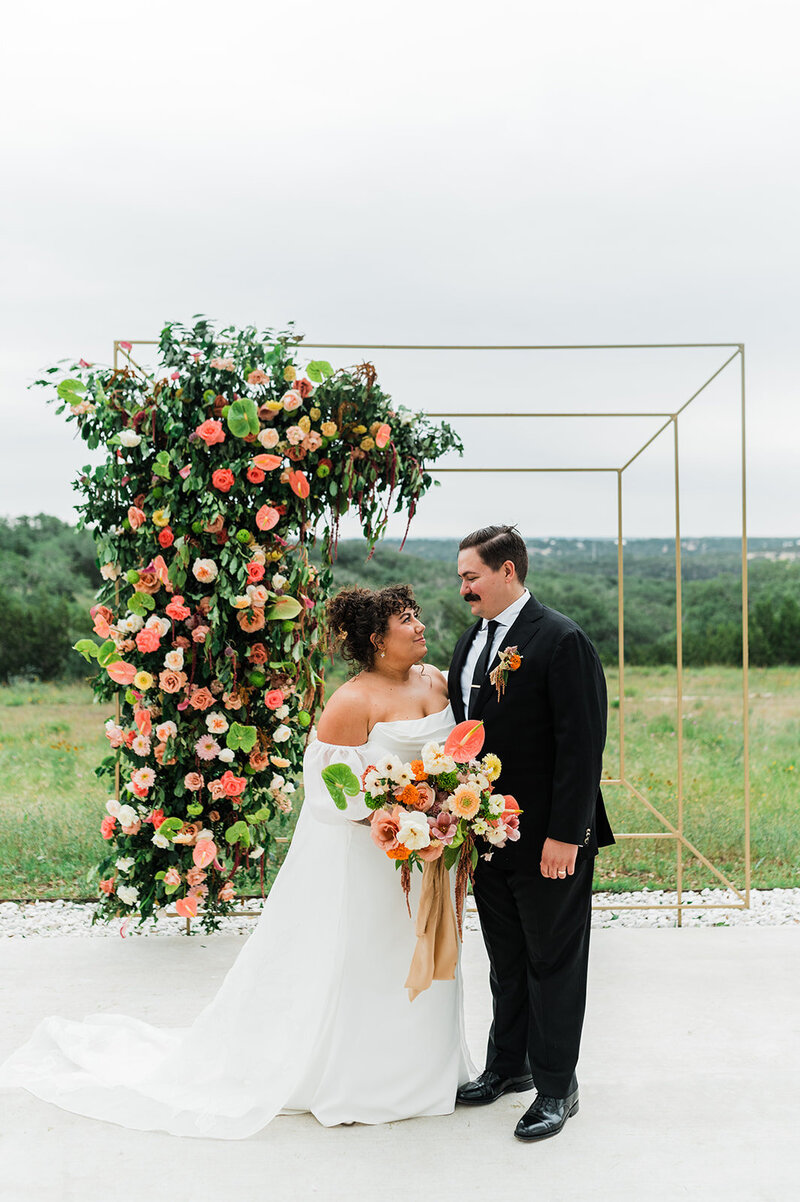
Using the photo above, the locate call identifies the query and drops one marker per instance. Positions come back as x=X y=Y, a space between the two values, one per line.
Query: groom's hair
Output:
x=496 y=544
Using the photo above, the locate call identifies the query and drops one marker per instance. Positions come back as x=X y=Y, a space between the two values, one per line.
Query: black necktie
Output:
x=481 y=667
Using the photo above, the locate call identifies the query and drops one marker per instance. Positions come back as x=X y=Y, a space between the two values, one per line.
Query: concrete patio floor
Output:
x=690 y=1086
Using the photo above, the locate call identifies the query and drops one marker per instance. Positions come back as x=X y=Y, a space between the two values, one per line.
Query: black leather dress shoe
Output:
x=546 y=1116
x=490 y=1086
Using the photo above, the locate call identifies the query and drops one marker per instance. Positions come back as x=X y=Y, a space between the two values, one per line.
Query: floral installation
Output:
x=510 y=660
x=221 y=469
x=435 y=806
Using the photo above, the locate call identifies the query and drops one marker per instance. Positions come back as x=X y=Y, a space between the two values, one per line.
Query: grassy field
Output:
x=51 y=803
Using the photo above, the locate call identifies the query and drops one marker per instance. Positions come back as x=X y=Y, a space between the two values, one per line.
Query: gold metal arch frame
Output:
x=670 y=831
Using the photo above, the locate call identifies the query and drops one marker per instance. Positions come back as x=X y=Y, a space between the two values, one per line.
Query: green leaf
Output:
x=450 y=856
x=284 y=607
x=170 y=827
x=162 y=470
x=318 y=370
x=340 y=779
x=241 y=737
x=262 y=815
x=238 y=833
x=70 y=390
x=473 y=855
x=87 y=648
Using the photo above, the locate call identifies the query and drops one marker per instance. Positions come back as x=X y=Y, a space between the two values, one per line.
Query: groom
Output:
x=533 y=896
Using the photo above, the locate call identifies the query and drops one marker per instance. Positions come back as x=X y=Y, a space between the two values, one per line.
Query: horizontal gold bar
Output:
x=430 y=346
x=521 y=469
x=649 y=835
x=544 y=414
x=674 y=906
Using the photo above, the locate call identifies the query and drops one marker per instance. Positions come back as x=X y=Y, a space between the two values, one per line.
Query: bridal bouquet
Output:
x=436 y=806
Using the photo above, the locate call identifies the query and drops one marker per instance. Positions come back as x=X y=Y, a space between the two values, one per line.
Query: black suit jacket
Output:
x=549 y=730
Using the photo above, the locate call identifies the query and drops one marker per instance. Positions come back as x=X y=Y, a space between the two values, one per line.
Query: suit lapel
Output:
x=518 y=635
x=456 y=667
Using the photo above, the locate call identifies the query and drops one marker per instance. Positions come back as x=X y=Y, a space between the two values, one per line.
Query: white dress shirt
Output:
x=504 y=620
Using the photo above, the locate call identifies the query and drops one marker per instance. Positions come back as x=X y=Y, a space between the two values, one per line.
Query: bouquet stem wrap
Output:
x=436 y=954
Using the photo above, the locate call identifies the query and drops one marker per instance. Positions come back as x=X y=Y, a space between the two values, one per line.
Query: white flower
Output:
x=269 y=438
x=241 y=601
x=126 y=815
x=256 y=853
x=160 y=840
x=281 y=734
x=479 y=826
x=141 y=745
x=392 y=767
x=174 y=660
x=279 y=582
x=129 y=438
x=216 y=722
x=281 y=712
x=128 y=894
x=404 y=776
x=133 y=623
x=435 y=761
x=414 y=831
x=277 y=782
x=288 y=787
x=497 y=834
x=373 y=785
x=162 y=625
x=125 y=863
x=204 y=570
x=226 y=755
x=109 y=571
x=143 y=810
x=258 y=554
x=496 y=805
x=205 y=834
x=257 y=593
x=113 y=807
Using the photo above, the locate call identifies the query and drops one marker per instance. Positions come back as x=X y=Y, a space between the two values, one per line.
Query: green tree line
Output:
x=48 y=575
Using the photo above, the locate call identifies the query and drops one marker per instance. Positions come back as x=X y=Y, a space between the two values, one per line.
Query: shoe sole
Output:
x=530 y=1139
x=514 y=1087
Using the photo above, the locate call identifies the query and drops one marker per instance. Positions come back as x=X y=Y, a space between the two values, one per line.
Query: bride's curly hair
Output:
x=356 y=613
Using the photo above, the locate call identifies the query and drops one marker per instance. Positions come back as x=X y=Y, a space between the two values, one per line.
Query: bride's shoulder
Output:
x=437 y=678
x=345 y=717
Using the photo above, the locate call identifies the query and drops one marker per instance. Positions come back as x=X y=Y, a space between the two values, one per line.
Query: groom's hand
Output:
x=558 y=859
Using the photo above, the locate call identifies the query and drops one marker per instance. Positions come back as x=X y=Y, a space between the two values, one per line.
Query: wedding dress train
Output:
x=312 y=1015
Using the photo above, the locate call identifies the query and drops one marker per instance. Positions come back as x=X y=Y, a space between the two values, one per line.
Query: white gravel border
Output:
x=768 y=908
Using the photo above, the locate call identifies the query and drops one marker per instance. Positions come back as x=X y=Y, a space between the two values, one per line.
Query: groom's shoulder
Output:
x=558 y=625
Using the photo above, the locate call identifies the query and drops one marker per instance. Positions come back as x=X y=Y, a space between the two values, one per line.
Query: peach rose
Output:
x=193 y=781
x=132 y=828
x=172 y=876
x=257 y=377
x=196 y=876
x=172 y=682
x=255 y=475
x=223 y=479
x=176 y=609
x=234 y=786
x=226 y=893
x=292 y=400
x=251 y=619
x=136 y=517
x=148 y=640
x=268 y=438
x=201 y=699
x=304 y=387
x=211 y=432
x=432 y=851
x=258 y=759
x=384 y=826
x=199 y=633
x=159 y=751
x=148 y=582
x=257 y=653
x=427 y=796
x=273 y=700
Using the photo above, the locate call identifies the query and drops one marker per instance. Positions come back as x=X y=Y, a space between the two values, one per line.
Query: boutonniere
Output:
x=510 y=660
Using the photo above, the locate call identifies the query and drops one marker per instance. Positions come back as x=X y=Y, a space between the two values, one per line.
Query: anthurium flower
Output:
x=121 y=672
x=267 y=463
x=298 y=482
x=267 y=517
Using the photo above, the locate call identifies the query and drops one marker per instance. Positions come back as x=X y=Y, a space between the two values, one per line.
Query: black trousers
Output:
x=536 y=933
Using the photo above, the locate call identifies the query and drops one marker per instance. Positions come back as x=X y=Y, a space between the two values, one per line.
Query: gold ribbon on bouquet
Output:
x=436 y=954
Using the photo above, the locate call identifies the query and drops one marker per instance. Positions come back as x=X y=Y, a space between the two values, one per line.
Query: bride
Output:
x=313 y=1014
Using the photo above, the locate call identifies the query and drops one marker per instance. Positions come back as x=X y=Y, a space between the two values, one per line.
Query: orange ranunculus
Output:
x=201 y=699
x=121 y=673
x=223 y=479
x=135 y=516
x=514 y=661
x=172 y=682
x=408 y=796
x=398 y=853
x=211 y=432
x=148 y=639
x=176 y=608
x=257 y=654
x=418 y=768
x=251 y=619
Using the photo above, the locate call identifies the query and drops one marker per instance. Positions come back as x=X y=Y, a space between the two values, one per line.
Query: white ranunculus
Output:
x=133 y=623
x=109 y=571
x=226 y=755
x=129 y=438
x=160 y=840
x=113 y=806
x=128 y=894
x=127 y=815
x=279 y=582
x=281 y=712
x=496 y=805
x=125 y=863
x=281 y=734
x=174 y=660
x=414 y=831
x=277 y=782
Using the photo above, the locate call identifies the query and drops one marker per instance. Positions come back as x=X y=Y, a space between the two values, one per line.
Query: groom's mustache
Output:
x=471 y=597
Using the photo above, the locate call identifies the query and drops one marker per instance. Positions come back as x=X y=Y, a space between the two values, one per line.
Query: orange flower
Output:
x=409 y=796
x=418 y=768
x=251 y=619
x=398 y=853
x=201 y=699
x=172 y=682
x=465 y=802
x=223 y=479
x=258 y=759
x=148 y=582
x=514 y=662
x=211 y=432
x=257 y=653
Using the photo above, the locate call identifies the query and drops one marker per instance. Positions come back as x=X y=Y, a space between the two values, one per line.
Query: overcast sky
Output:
x=427 y=173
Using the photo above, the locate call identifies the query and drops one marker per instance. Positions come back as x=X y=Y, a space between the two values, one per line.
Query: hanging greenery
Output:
x=222 y=467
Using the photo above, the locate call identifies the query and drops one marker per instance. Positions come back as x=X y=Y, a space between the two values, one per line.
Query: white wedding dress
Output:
x=312 y=1015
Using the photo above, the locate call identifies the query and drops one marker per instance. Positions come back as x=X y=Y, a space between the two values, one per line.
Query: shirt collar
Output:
x=509 y=615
